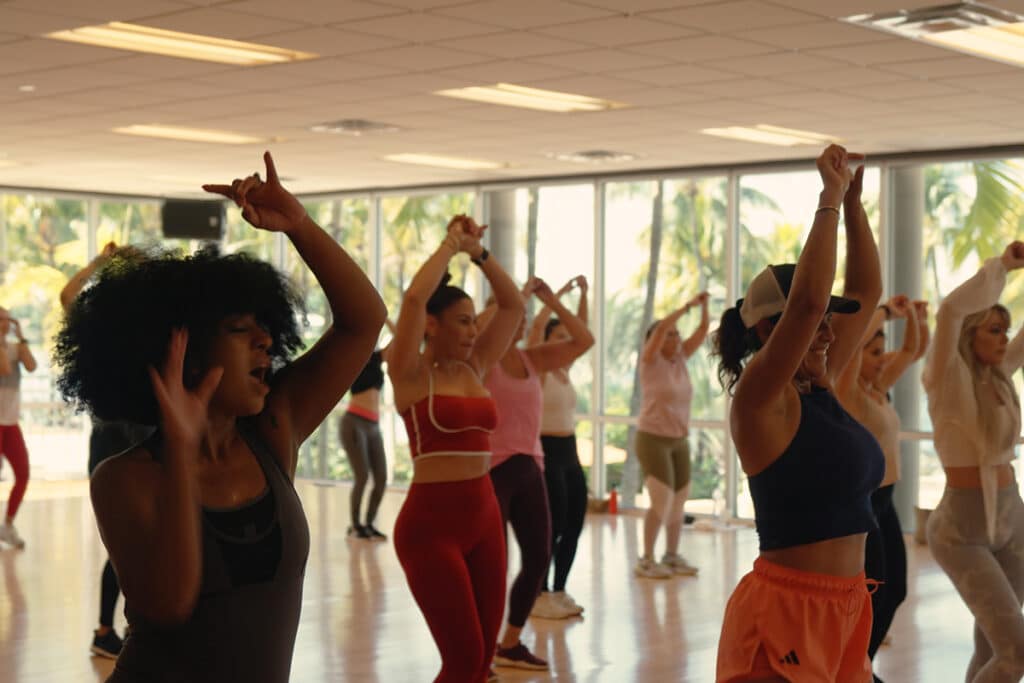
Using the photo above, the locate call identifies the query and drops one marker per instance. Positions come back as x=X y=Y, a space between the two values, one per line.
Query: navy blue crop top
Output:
x=371 y=376
x=821 y=485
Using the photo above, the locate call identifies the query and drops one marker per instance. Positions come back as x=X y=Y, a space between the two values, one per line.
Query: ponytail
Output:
x=731 y=343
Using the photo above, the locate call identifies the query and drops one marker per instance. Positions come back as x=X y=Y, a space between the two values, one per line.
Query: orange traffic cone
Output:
x=613 y=502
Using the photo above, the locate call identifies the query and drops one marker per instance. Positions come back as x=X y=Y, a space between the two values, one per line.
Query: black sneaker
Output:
x=374 y=533
x=358 y=532
x=108 y=645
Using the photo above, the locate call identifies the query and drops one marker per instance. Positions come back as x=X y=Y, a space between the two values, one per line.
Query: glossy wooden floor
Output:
x=359 y=622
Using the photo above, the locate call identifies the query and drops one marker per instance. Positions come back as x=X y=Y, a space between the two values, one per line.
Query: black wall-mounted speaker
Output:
x=193 y=219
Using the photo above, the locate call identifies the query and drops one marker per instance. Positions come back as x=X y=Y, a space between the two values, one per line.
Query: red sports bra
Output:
x=450 y=425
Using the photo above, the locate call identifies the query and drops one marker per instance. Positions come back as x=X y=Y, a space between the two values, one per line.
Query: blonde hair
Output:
x=1003 y=385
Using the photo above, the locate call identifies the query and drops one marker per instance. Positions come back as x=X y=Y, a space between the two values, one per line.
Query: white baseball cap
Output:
x=766 y=296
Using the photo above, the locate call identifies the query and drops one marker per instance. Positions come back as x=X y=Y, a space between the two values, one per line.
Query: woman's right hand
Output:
x=183 y=413
x=899 y=306
x=1013 y=256
x=834 y=168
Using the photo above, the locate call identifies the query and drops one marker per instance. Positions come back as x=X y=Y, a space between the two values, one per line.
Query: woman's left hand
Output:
x=266 y=205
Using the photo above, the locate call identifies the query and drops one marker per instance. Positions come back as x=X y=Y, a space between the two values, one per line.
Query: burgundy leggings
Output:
x=523 y=497
x=449 y=542
x=12 y=446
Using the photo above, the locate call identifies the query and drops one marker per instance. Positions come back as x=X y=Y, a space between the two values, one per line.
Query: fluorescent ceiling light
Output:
x=771 y=135
x=530 y=98
x=139 y=38
x=190 y=134
x=7 y=162
x=445 y=162
x=968 y=27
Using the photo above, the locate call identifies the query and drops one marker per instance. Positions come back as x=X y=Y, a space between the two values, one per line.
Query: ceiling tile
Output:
x=882 y=52
x=674 y=75
x=908 y=89
x=748 y=87
x=949 y=67
x=636 y=6
x=519 y=72
x=421 y=27
x=220 y=23
x=617 y=31
x=843 y=8
x=777 y=64
x=421 y=57
x=818 y=34
x=597 y=61
x=26 y=56
x=99 y=11
x=729 y=17
x=33 y=23
x=524 y=13
x=315 y=12
x=517 y=44
x=843 y=76
x=702 y=48
x=329 y=42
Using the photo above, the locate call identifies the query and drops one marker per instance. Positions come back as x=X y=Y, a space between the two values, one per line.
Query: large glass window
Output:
x=44 y=242
x=664 y=243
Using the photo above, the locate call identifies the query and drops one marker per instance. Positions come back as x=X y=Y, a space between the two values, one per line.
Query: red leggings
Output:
x=449 y=540
x=12 y=447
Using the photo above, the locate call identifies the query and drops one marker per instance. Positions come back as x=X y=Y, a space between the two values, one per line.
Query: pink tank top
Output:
x=519 y=402
x=667 y=392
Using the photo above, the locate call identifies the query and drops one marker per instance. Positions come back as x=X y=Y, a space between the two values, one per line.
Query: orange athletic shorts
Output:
x=802 y=626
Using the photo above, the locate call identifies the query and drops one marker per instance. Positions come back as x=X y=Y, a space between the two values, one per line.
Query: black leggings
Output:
x=567 y=498
x=519 y=487
x=885 y=559
x=362 y=442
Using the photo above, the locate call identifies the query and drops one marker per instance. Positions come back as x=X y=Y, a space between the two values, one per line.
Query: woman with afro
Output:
x=202 y=521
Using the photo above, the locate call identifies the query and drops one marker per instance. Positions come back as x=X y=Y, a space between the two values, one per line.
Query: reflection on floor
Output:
x=359 y=622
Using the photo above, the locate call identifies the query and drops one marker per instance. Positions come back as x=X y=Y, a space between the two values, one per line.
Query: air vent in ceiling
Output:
x=355 y=127
x=593 y=156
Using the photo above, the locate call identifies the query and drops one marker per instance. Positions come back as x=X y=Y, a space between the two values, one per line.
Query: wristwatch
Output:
x=479 y=260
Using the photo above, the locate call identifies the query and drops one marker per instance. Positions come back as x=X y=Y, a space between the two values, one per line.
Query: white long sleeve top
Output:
x=959 y=435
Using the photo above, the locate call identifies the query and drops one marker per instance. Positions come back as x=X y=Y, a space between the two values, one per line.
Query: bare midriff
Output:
x=842 y=556
x=970 y=477
x=435 y=468
x=368 y=400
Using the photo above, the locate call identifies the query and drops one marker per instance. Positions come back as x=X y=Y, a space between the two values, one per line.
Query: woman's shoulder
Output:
x=127 y=475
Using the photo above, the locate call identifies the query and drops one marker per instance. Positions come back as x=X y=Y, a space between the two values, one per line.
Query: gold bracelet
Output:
x=827 y=208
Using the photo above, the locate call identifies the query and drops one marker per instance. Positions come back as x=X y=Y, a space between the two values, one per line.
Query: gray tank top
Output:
x=236 y=633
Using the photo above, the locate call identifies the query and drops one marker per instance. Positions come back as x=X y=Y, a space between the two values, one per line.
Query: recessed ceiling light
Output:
x=967 y=27
x=771 y=135
x=593 y=156
x=355 y=127
x=512 y=95
x=26 y=88
x=138 y=38
x=190 y=134
x=446 y=162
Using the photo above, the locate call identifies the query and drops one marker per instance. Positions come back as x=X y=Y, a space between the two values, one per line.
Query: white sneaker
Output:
x=548 y=607
x=647 y=568
x=9 y=535
x=568 y=601
x=678 y=565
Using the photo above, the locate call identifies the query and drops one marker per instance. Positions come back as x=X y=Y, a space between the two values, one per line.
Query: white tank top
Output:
x=884 y=424
x=559 y=414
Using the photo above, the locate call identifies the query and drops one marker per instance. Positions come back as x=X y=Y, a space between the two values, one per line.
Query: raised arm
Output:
x=771 y=370
x=846 y=384
x=536 y=334
x=693 y=342
x=148 y=509
x=980 y=291
x=653 y=345
x=553 y=355
x=863 y=280
x=494 y=339
x=923 y=331
x=78 y=281
x=307 y=389
x=897 y=362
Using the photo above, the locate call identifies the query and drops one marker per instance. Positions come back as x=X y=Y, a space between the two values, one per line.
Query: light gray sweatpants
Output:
x=988 y=576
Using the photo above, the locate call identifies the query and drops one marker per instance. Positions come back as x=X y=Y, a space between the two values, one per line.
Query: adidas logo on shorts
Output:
x=791 y=658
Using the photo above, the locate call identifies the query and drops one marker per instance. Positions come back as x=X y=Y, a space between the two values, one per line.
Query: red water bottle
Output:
x=613 y=502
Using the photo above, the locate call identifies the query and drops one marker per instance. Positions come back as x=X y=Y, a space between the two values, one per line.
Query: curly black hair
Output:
x=121 y=325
